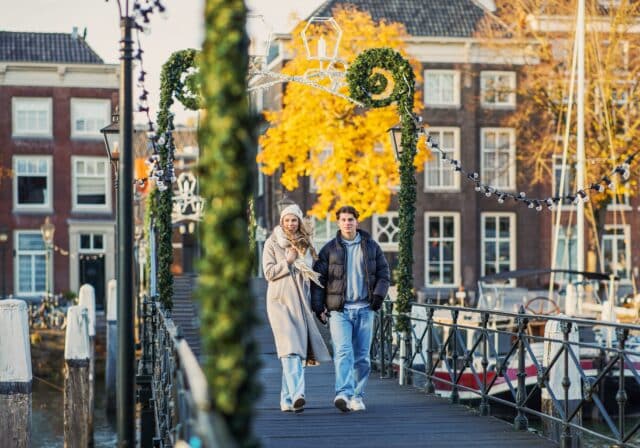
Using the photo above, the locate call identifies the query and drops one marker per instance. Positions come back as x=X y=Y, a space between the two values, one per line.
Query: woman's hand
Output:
x=291 y=254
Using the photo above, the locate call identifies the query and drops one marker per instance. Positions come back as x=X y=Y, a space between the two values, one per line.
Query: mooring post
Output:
x=112 y=344
x=563 y=378
x=87 y=299
x=15 y=375
x=77 y=410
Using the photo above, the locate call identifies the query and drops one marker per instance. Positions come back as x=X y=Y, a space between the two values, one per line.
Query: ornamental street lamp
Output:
x=47 y=229
x=395 y=133
x=111 y=135
x=4 y=237
x=121 y=132
x=283 y=203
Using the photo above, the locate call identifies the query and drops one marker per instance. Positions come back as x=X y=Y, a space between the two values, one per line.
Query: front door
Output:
x=92 y=272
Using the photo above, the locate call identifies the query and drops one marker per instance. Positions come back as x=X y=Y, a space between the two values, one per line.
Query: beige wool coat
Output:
x=289 y=305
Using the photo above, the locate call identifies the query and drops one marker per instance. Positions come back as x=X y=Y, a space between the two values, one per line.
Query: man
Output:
x=355 y=274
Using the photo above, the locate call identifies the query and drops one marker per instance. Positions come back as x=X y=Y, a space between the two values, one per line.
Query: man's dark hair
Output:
x=347 y=209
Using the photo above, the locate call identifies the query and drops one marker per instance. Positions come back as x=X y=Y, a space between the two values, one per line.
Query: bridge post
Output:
x=15 y=375
x=429 y=386
x=112 y=347
x=621 y=395
x=521 y=422
x=484 y=400
x=455 y=396
x=77 y=400
x=87 y=299
x=382 y=345
x=403 y=359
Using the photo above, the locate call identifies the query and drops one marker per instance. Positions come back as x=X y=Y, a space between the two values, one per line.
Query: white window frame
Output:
x=511 y=173
x=74 y=185
x=322 y=157
x=26 y=103
x=444 y=165
x=48 y=205
x=512 y=242
x=320 y=240
x=485 y=76
x=570 y=175
x=390 y=230
x=32 y=253
x=436 y=101
x=456 y=248
x=76 y=109
x=626 y=228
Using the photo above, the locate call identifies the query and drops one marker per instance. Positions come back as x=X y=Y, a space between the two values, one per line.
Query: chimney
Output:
x=74 y=32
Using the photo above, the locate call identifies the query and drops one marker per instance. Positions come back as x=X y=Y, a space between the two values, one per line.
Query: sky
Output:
x=183 y=28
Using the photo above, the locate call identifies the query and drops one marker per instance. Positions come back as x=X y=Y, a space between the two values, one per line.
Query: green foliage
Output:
x=179 y=80
x=367 y=84
x=228 y=141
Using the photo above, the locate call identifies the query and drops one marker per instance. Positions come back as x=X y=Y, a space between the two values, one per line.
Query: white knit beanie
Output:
x=294 y=210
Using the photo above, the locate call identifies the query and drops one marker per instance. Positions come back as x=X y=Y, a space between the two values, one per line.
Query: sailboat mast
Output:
x=580 y=153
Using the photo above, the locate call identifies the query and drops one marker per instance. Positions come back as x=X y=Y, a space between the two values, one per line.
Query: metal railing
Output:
x=173 y=391
x=478 y=352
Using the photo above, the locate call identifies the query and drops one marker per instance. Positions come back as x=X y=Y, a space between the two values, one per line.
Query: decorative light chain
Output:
x=605 y=183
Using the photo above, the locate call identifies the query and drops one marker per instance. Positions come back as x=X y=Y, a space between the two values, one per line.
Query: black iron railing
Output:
x=173 y=392
x=477 y=353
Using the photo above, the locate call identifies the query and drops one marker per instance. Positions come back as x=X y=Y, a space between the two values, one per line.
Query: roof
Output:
x=46 y=47
x=433 y=18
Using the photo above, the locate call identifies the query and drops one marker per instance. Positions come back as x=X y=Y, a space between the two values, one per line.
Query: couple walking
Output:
x=344 y=284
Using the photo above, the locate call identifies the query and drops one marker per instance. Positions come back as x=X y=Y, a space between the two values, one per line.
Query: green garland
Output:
x=177 y=80
x=363 y=84
x=228 y=141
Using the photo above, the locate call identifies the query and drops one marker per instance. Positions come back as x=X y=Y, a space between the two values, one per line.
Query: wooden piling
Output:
x=112 y=347
x=87 y=298
x=15 y=375
x=77 y=431
x=552 y=430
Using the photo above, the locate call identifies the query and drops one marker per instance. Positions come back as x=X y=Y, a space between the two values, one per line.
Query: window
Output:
x=439 y=173
x=324 y=230
x=32 y=117
x=499 y=157
x=569 y=179
x=616 y=251
x=442 y=250
x=92 y=242
x=441 y=88
x=88 y=116
x=31 y=268
x=498 y=89
x=32 y=183
x=385 y=230
x=322 y=157
x=90 y=188
x=498 y=243
x=567 y=252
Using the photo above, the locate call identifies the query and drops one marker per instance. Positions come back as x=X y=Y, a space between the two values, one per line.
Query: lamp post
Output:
x=395 y=133
x=47 y=229
x=4 y=237
x=121 y=132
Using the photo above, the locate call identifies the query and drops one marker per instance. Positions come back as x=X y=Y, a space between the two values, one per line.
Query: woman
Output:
x=287 y=260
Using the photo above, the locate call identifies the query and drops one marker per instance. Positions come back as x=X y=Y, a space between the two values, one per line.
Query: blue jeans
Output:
x=351 y=333
x=292 y=380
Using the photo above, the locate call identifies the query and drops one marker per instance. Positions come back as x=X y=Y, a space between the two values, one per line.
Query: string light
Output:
x=623 y=171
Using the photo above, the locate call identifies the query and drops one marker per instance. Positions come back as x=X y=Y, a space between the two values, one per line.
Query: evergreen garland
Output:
x=228 y=141
x=364 y=83
x=177 y=80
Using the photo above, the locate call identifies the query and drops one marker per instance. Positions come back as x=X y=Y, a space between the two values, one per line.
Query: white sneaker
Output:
x=342 y=403
x=356 y=404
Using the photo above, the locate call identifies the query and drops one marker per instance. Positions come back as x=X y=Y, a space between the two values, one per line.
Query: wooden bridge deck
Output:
x=396 y=416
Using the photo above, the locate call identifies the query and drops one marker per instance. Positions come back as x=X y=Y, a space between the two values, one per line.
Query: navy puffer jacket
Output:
x=331 y=265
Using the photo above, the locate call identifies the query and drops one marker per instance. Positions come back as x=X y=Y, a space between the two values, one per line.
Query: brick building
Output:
x=461 y=235
x=56 y=94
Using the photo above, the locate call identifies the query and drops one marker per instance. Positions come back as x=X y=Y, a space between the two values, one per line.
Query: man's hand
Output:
x=376 y=302
x=322 y=317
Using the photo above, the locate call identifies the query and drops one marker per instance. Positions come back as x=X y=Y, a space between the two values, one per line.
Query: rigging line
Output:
x=53 y=386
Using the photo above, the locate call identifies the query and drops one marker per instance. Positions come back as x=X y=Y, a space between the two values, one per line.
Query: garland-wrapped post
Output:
x=369 y=85
x=174 y=83
x=228 y=142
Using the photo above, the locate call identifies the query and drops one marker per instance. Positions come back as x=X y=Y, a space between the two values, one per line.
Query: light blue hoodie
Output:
x=356 y=294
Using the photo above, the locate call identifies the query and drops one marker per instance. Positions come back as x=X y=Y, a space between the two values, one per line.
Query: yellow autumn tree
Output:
x=343 y=148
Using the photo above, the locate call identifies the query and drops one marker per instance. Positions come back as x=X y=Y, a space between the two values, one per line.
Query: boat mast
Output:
x=580 y=154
